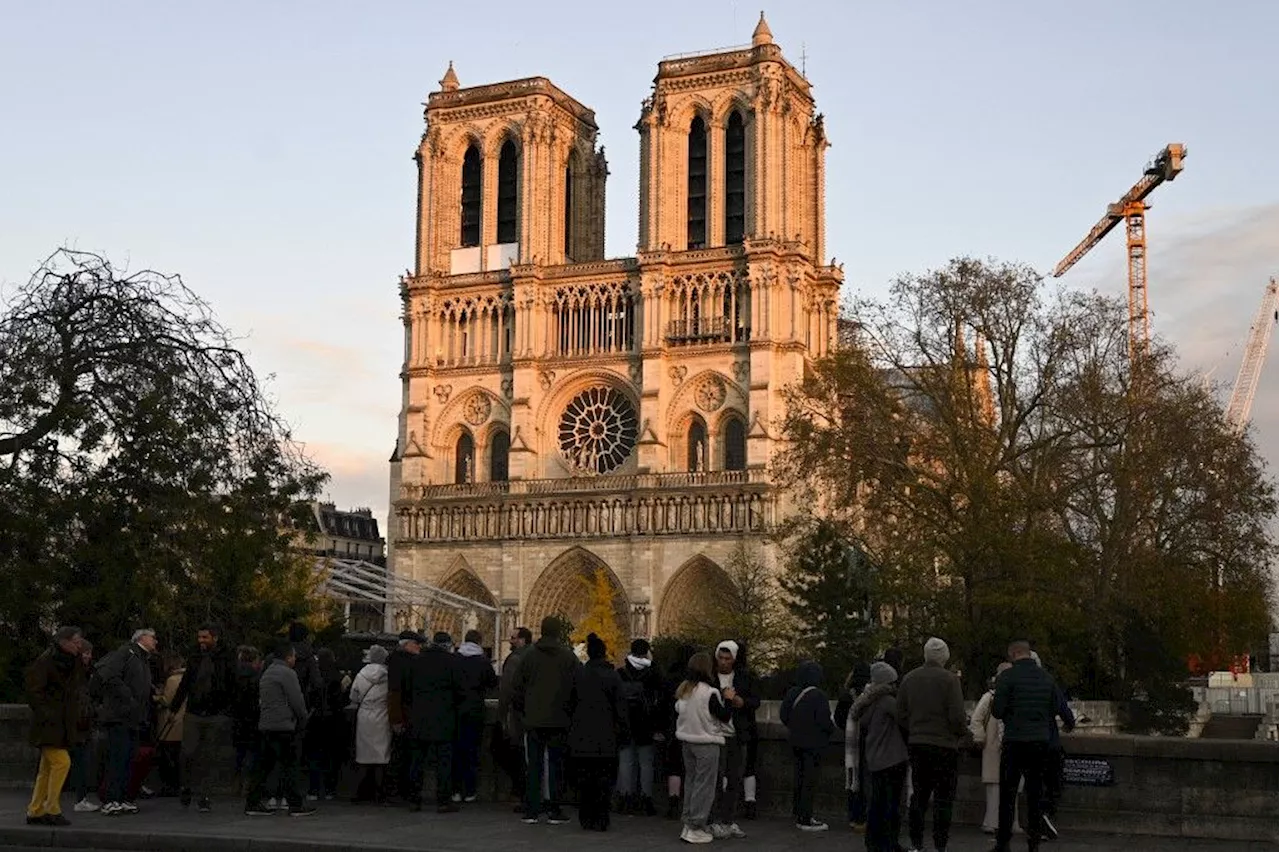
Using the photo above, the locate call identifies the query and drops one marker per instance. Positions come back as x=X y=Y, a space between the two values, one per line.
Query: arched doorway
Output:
x=462 y=581
x=564 y=588
x=690 y=597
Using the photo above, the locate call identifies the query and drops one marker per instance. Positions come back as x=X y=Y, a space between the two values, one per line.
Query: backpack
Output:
x=634 y=698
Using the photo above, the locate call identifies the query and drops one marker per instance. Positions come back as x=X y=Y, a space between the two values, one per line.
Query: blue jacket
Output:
x=806 y=710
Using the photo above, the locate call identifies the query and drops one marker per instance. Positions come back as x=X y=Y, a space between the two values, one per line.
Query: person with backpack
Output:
x=641 y=694
x=806 y=711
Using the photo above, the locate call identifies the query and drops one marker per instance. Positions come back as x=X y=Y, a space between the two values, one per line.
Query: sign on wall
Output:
x=1088 y=772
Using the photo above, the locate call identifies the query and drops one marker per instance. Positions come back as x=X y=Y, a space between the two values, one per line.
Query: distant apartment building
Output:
x=346 y=534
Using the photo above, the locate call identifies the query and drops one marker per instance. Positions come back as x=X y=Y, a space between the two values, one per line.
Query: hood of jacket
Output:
x=809 y=674
x=873 y=693
x=470 y=649
x=549 y=645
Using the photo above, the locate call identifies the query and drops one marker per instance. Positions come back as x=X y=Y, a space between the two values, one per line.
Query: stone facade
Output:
x=563 y=413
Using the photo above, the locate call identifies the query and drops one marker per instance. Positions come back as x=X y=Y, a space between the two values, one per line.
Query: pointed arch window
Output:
x=735 y=445
x=499 y=456
x=471 y=185
x=735 y=179
x=568 y=210
x=464 y=459
x=697 y=189
x=697 y=447
x=508 y=172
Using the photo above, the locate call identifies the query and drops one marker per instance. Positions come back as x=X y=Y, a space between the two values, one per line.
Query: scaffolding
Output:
x=405 y=603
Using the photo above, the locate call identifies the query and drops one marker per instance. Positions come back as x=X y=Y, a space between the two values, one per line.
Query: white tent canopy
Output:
x=356 y=581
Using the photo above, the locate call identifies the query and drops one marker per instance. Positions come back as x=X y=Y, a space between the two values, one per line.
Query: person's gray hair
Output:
x=139 y=633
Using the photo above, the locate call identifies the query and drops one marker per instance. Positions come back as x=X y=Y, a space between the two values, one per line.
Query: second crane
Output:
x=1131 y=209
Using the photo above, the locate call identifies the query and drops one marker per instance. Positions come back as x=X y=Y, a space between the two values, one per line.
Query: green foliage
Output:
x=1011 y=474
x=831 y=592
x=144 y=478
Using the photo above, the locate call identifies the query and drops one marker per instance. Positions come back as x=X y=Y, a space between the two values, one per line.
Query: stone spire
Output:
x=761 y=34
x=449 y=82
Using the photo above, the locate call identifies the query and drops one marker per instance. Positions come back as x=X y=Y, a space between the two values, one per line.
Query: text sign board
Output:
x=1088 y=772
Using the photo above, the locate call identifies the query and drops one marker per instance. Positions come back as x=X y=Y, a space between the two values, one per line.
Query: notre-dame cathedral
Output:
x=563 y=412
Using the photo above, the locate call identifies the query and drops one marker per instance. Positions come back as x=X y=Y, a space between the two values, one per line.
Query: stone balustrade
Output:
x=706 y=503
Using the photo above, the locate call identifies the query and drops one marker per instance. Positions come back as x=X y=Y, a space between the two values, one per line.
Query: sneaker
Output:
x=146 y=792
x=1050 y=830
x=205 y=806
x=128 y=808
x=110 y=809
x=456 y=798
x=259 y=810
x=529 y=819
x=557 y=817
x=697 y=835
x=812 y=825
x=312 y=797
x=303 y=811
x=718 y=831
x=84 y=806
x=858 y=827
x=734 y=831
x=470 y=800
x=273 y=804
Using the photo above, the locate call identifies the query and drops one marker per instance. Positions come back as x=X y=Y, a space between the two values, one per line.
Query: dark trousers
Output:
x=1055 y=758
x=884 y=808
x=279 y=750
x=933 y=776
x=805 y=782
x=545 y=752
x=398 y=770
x=595 y=784
x=247 y=749
x=202 y=736
x=326 y=750
x=83 y=769
x=1019 y=761
x=513 y=758
x=122 y=742
x=729 y=786
x=169 y=762
x=440 y=754
x=466 y=754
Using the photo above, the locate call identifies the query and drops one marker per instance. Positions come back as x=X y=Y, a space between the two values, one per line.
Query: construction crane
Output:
x=1131 y=209
x=1255 y=352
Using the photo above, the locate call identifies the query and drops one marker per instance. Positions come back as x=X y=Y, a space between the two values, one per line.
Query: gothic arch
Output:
x=461 y=580
x=691 y=592
x=456 y=144
x=684 y=403
x=563 y=390
x=452 y=417
x=727 y=103
x=563 y=589
x=499 y=135
x=689 y=108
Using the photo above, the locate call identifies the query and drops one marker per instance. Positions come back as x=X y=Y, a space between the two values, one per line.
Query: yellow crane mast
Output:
x=1131 y=209
x=1255 y=353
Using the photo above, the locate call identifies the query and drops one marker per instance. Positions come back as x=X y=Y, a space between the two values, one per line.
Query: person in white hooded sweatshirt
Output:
x=702 y=720
x=373 y=726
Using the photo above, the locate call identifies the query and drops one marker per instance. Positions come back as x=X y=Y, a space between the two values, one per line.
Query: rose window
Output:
x=598 y=430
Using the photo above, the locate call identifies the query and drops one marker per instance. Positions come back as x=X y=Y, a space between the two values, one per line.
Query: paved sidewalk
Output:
x=163 y=825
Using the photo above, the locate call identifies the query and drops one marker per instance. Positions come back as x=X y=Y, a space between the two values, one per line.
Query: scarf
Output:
x=639 y=663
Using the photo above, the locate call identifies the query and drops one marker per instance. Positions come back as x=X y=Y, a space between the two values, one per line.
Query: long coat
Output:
x=373 y=725
x=54 y=685
x=986 y=730
x=599 y=719
x=433 y=695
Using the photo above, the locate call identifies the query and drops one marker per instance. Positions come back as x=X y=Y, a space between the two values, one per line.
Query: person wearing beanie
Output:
x=433 y=690
x=599 y=719
x=930 y=708
x=641 y=697
x=737 y=764
x=885 y=756
x=373 y=727
x=806 y=711
x=478 y=680
x=543 y=695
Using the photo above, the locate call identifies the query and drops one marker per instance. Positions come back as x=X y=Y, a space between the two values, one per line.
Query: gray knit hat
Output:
x=883 y=673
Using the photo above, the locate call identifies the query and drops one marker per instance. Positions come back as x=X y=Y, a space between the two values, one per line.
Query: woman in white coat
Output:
x=987 y=730
x=373 y=727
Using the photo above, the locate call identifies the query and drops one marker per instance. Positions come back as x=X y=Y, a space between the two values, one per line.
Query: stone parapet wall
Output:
x=1163 y=786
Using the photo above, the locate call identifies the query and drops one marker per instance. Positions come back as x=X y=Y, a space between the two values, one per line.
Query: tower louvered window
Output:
x=508 y=172
x=568 y=212
x=697 y=184
x=471 y=198
x=735 y=179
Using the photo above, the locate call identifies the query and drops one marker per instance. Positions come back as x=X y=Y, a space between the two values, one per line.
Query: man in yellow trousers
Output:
x=54 y=683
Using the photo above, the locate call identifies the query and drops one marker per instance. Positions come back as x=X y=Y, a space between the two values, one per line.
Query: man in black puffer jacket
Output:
x=208 y=691
x=543 y=696
x=1026 y=701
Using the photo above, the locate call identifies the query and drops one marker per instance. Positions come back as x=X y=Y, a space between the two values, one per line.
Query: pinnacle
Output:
x=761 y=34
x=449 y=82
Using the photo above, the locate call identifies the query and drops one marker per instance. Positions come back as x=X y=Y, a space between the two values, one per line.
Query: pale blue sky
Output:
x=263 y=151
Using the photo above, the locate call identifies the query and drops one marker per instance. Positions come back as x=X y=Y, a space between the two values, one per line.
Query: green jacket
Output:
x=544 y=685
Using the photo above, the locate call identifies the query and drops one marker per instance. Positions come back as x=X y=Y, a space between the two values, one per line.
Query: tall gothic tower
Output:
x=564 y=414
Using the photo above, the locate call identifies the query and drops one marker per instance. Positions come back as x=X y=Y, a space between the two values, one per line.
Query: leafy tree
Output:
x=991 y=449
x=831 y=592
x=602 y=617
x=750 y=607
x=144 y=477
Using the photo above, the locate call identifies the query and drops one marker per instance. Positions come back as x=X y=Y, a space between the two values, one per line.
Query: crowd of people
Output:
x=605 y=732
